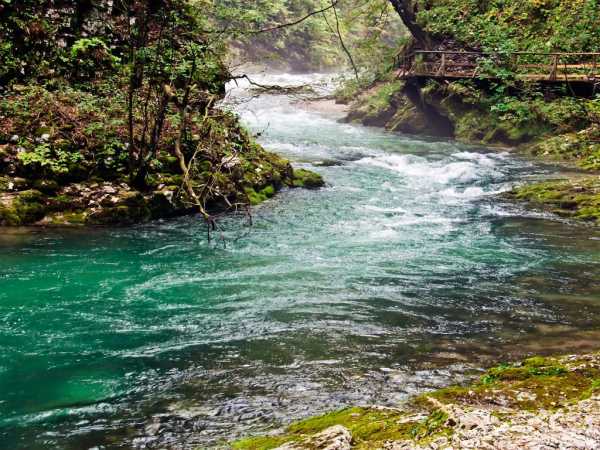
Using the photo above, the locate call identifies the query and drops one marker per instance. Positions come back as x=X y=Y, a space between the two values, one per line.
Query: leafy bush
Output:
x=90 y=56
x=528 y=25
x=48 y=161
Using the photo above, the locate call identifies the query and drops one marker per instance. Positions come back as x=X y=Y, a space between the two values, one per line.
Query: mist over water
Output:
x=405 y=273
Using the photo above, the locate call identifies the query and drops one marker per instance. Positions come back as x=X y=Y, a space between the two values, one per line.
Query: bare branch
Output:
x=276 y=27
x=339 y=33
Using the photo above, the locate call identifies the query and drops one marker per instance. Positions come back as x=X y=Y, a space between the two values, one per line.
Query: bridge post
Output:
x=442 y=70
x=554 y=68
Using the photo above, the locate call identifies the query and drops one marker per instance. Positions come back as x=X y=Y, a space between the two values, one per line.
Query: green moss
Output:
x=370 y=428
x=9 y=217
x=347 y=417
x=578 y=198
x=579 y=148
x=536 y=383
x=307 y=179
x=408 y=119
x=171 y=180
x=268 y=191
x=377 y=105
x=70 y=218
x=255 y=198
x=24 y=208
x=4 y=183
x=432 y=425
x=260 y=443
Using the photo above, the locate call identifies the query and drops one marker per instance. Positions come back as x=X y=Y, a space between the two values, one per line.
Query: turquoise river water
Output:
x=405 y=273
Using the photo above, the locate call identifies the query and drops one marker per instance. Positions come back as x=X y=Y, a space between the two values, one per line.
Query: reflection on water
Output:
x=403 y=274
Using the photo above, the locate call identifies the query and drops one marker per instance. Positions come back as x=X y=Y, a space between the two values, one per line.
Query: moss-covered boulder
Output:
x=578 y=198
x=307 y=179
x=22 y=208
x=580 y=148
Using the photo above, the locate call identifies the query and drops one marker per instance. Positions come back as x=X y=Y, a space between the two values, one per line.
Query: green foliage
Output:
x=56 y=160
x=370 y=29
x=89 y=56
x=507 y=26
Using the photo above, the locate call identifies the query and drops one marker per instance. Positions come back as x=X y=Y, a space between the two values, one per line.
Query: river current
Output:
x=405 y=273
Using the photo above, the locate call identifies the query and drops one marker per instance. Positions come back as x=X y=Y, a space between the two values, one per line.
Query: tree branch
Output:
x=342 y=43
x=277 y=27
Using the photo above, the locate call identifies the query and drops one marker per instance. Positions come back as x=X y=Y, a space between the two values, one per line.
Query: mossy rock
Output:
x=409 y=120
x=120 y=215
x=23 y=208
x=581 y=149
x=4 y=183
x=131 y=198
x=549 y=384
x=171 y=180
x=258 y=197
x=66 y=219
x=46 y=186
x=164 y=204
x=378 y=104
x=306 y=179
x=577 y=198
x=370 y=428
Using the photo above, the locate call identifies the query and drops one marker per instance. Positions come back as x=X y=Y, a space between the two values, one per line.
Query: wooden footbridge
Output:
x=550 y=68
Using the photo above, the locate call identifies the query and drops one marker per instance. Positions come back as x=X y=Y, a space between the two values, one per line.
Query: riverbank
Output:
x=557 y=130
x=539 y=402
x=64 y=162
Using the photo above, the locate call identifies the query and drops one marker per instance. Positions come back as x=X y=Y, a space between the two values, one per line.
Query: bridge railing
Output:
x=525 y=65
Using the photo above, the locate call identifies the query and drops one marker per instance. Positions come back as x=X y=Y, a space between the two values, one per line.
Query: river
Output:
x=405 y=273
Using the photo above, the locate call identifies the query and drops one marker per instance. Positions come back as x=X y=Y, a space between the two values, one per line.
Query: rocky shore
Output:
x=539 y=403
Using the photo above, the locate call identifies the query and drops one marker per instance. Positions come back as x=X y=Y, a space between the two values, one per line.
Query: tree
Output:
x=407 y=10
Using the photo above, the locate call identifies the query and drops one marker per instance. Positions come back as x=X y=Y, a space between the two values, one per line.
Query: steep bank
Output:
x=556 y=129
x=539 y=402
x=555 y=123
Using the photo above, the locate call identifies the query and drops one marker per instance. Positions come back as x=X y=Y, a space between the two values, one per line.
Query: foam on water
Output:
x=451 y=169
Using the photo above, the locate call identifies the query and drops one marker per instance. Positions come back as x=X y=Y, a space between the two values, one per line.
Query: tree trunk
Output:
x=407 y=10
